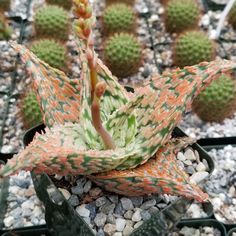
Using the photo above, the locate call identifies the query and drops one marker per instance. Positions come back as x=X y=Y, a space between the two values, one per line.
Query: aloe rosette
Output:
x=94 y=126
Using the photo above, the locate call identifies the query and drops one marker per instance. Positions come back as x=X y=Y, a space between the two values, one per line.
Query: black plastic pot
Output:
x=212 y=5
x=62 y=219
x=204 y=222
x=28 y=231
x=230 y=233
x=209 y=144
x=207 y=208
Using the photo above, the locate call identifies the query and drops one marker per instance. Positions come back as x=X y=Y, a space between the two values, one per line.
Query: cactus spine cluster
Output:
x=181 y=15
x=5 y=31
x=119 y=18
x=51 y=52
x=218 y=101
x=192 y=48
x=123 y=54
x=30 y=110
x=52 y=21
x=66 y=4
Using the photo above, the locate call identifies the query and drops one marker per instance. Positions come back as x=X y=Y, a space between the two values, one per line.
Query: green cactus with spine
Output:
x=52 y=52
x=123 y=54
x=5 y=31
x=181 y=15
x=193 y=47
x=66 y=4
x=119 y=18
x=127 y=2
x=5 y=5
x=232 y=16
x=218 y=101
x=30 y=110
x=52 y=21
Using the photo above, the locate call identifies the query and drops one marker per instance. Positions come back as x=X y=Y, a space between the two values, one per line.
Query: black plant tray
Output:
x=27 y=231
x=230 y=233
x=62 y=219
x=203 y=222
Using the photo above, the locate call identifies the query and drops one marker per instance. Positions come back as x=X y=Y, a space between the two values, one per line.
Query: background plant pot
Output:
x=230 y=233
x=203 y=222
x=61 y=218
x=28 y=231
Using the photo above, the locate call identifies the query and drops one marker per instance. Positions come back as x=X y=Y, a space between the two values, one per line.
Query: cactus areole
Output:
x=94 y=128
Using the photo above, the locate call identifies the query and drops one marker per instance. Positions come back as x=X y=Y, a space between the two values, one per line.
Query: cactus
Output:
x=5 y=31
x=30 y=110
x=5 y=5
x=66 y=4
x=181 y=15
x=52 y=21
x=123 y=54
x=118 y=18
x=218 y=101
x=127 y=2
x=51 y=52
x=192 y=48
x=232 y=16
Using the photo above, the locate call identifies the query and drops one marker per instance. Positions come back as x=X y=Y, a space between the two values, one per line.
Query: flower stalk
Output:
x=83 y=27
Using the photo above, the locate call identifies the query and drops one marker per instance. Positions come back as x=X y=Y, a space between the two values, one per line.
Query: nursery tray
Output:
x=62 y=219
x=203 y=222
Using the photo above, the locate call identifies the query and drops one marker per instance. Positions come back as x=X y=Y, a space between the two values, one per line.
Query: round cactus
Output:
x=232 y=16
x=5 y=5
x=123 y=54
x=218 y=101
x=192 y=48
x=5 y=31
x=52 y=21
x=119 y=18
x=181 y=15
x=66 y=4
x=127 y=2
x=30 y=110
x=52 y=52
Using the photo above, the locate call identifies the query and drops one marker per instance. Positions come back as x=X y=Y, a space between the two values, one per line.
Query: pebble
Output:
x=137 y=215
x=109 y=229
x=198 y=176
x=100 y=219
x=126 y=203
x=120 y=224
x=83 y=211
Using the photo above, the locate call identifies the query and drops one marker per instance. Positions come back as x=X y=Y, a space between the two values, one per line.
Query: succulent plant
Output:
x=193 y=47
x=5 y=5
x=232 y=16
x=123 y=54
x=181 y=15
x=218 y=101
x=66 y=4
x=127 y=2
x=5 y=31
x=52 y=52
x=119 y=18
x=96 y=129
x=30 y=110
x=52 y=21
